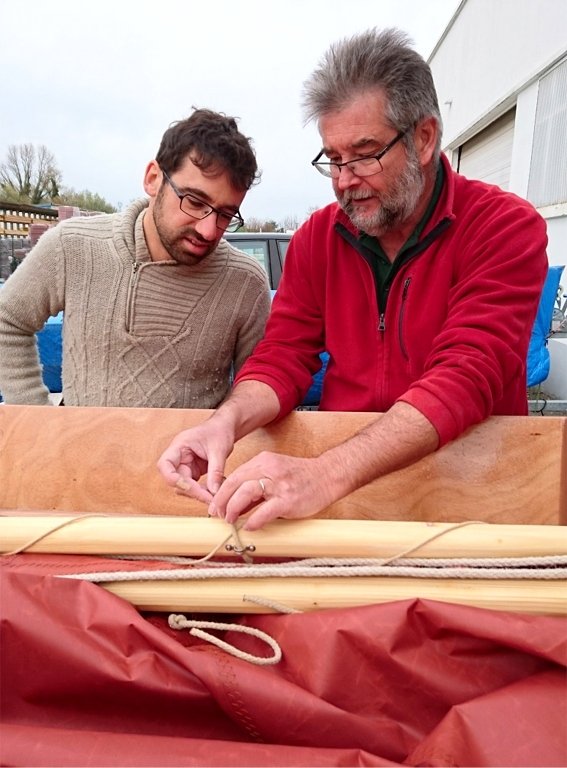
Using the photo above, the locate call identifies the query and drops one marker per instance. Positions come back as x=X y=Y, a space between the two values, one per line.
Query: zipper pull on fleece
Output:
x=382 y=323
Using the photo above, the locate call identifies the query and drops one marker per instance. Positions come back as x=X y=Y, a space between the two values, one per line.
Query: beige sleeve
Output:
x=30 y=295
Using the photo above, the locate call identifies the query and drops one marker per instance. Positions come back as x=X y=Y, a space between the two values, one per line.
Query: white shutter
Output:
x=548 y=170
x=488 y=155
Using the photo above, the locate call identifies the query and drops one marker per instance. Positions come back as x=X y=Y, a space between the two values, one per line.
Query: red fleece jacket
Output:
x=453 y=337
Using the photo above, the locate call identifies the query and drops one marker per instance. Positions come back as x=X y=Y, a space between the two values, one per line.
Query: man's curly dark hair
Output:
x=212 y=139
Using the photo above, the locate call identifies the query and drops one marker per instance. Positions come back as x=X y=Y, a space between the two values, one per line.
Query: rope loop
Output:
x=178 y=621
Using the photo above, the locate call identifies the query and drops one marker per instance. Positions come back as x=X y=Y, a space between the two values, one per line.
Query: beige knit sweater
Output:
x=136 y=333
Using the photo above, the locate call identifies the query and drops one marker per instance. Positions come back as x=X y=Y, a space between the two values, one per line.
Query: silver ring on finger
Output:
x=263 y=487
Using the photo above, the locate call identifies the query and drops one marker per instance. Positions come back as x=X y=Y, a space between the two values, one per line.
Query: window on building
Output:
x=548 y=170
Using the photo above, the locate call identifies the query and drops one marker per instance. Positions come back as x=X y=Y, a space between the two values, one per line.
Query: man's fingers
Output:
x=168 y=470
x=172 y=465
x=193 y=490
x=242 y=499
x=263 y=514
x=215 y=474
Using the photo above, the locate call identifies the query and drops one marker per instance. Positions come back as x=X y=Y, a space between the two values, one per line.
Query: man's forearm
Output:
x=21 y=382
x=250 y=405
x=395 y=440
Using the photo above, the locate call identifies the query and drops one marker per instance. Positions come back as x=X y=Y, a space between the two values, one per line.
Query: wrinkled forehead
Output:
x=358 y=124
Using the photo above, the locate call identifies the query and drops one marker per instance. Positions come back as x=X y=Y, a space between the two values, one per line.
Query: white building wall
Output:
x=557 y=235
x=490 y=58
x=491 y=50
x=556 y=383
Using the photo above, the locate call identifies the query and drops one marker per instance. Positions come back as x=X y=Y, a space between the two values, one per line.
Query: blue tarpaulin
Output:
x=538 y=353
x=49 y=341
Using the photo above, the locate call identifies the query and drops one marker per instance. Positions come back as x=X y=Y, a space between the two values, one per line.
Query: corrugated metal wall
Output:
x=548 y=170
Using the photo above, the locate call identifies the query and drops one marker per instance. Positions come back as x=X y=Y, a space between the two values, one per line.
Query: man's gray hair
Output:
x=367 y=62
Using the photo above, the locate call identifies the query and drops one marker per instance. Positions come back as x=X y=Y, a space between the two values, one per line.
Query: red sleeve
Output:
x=476 y=366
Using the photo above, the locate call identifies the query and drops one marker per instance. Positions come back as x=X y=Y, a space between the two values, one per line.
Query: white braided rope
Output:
x=299 y=570
x=279 y=607
x=178 y=621
x=482 y=562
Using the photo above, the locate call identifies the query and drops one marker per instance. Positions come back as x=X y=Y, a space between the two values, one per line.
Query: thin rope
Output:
x=41 y=536
x=175 y=560
x=232 y=535
x=178 y=621
x=431 y=538
x=238 y=550
x=279 y=607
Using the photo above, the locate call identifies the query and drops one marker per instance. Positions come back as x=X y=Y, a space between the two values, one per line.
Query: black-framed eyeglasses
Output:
x=198 y=209
x=361 y=166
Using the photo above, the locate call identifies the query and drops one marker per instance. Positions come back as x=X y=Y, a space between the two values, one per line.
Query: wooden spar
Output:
x=148 y=536
x=144 y=535
x=228 y=595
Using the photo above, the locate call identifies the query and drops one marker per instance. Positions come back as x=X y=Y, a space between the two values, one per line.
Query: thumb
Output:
x=215 y=473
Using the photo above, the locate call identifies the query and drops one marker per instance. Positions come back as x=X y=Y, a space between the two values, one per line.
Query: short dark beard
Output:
x=396 y=205
x=171 y=242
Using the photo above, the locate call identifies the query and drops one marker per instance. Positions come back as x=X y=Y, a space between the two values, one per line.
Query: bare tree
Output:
x=253 y=225
x=29 y=175
x=310 y=210
x=290 y=223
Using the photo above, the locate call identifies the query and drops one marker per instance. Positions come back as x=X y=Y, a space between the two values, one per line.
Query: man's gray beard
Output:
x=396 y=205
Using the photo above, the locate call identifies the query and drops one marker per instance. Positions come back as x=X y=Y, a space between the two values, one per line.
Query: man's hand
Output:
x=205 y=449
x=287 y=487
x=294 y=488
x=194 y=453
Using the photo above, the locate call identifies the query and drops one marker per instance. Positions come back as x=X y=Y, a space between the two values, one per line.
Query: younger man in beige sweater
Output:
x=157 y=306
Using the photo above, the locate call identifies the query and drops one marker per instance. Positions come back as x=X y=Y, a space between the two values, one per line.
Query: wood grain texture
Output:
x=506 y=470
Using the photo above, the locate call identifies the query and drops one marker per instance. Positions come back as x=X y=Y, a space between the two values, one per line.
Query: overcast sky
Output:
x=98 y=83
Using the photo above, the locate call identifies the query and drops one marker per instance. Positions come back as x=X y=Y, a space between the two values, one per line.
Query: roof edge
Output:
x=446 y=30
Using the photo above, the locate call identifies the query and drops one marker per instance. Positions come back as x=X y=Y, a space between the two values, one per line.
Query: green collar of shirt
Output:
x=381 y=264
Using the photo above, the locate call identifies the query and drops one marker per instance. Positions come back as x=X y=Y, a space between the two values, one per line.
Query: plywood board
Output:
x=506 y=470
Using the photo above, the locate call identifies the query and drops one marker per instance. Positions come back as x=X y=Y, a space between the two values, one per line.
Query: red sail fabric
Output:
x=86 y=680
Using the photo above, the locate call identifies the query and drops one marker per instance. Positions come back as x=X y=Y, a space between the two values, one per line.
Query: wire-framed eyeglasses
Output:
x=198 y=209
x=361 y=166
